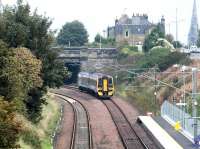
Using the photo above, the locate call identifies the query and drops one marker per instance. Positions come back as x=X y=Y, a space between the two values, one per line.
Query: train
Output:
x=101 y=85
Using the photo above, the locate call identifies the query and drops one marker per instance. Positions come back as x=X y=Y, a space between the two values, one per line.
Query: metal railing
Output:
x=176 y=113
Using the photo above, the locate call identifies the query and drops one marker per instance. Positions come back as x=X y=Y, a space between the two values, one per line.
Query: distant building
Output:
x=193 y=33
x=132 y=30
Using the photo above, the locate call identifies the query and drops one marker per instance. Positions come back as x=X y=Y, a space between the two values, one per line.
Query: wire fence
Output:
x=176 y=113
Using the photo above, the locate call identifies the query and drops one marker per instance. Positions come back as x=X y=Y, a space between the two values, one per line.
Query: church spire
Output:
x=193 y=33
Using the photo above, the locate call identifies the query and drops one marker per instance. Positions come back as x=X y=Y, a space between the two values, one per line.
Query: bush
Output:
x=10 y=128
x=173 y=58
x=31 y=138
x=163 y=58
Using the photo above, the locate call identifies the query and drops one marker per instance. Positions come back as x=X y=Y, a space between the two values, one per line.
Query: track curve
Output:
x=81 y=136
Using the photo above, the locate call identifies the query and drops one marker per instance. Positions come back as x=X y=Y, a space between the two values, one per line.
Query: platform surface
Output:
x=180 y=138
x=159 y=133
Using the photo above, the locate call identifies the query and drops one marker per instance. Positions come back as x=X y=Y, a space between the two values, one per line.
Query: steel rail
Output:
x=131 y=140
x=75 y=127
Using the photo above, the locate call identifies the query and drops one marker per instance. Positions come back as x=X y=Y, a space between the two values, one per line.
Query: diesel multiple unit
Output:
x=100 y=84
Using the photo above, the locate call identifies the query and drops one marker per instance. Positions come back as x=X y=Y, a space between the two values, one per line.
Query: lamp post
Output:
x=184 y=100
x=194 y=101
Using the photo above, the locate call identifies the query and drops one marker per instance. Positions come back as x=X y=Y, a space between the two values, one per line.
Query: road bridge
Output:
x=84 y=58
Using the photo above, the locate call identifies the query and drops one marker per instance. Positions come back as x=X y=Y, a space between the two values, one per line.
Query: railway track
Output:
x=81 y=136
x=132 y=137
x=74 y=87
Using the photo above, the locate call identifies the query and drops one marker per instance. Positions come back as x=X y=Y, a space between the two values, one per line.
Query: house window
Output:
x=126 y=33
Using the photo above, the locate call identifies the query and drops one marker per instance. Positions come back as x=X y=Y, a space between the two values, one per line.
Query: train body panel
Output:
x=100 y=84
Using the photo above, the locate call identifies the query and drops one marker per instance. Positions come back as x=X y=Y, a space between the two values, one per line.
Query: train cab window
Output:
x=110 y=83
x=100 y=84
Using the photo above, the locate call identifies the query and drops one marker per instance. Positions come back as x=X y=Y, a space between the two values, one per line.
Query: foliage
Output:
x=153 y=58
x=143 y=98
x=34 y=104
x=98 y=38
x=177 y=44
x=163 y=58
x=164 y=43
x=105 y=42
x=20 y=28
x=129 y=50
x=30 y=137
x=151 y=39
x=39 y=135
x=19 y=74
x=10 y=128
x=173 y=58
x=73 y=33
x=169 y=37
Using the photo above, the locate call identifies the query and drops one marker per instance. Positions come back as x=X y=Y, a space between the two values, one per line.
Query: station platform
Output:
x=164 y=133
x=177 y=136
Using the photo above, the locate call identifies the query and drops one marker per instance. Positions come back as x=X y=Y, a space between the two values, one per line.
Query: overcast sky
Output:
x=97 y=15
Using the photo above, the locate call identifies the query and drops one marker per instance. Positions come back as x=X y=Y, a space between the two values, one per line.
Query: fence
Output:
x=176 y=113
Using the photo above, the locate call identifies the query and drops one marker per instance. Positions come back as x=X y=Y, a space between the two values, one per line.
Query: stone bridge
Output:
x=85 y=59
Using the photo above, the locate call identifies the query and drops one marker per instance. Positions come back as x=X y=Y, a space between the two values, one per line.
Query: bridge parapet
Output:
x=85 y=53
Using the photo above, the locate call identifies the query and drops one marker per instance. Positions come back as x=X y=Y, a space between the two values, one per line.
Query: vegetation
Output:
x=38 y=136
x=169 y=37
x=140 y=91
x=177 y=44
x=10 y=127
x=151 y=39
x=27 y=68
x=105 y=42
x=162 y=58
x=73 y=34
x=129 y=51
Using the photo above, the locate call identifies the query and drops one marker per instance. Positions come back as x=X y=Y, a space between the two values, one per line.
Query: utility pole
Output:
x=194 y=101
x=100 y=42
x=176 y=26
x=184 y=101
x=155 y=90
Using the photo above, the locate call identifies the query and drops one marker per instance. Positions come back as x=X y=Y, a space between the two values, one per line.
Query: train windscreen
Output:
x=100 y=83
x=110 y=82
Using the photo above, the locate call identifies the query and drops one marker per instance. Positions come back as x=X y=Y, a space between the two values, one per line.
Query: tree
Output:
x=73 y=33
x=21 y=73
x=151 y=39
x=98 y=37
x=177 y=44
x=10 y=128
x=20 y=28
x=106 y=42
x=169 y=38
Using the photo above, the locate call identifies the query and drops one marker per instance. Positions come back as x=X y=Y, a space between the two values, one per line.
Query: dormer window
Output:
x=126 y=33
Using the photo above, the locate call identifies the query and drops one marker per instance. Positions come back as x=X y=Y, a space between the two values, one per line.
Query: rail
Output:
x=128 y=135
x=82 y=135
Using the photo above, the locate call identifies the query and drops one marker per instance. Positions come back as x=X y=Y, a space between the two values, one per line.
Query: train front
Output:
x=105 y=86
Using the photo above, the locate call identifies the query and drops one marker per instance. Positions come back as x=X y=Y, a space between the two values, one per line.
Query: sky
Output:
x=97 y=15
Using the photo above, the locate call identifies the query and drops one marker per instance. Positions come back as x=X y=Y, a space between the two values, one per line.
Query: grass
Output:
x=39 y=136
x=46 y=144
x=141 y=98
x=24 y=145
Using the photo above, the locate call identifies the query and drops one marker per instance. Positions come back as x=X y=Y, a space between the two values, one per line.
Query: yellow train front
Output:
x=99 y=84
